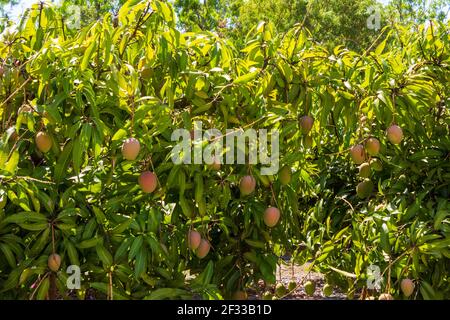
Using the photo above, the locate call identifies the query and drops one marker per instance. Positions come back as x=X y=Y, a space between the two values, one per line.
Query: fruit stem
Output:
x=53 y=290
x=392 y=262
x=150 y=163
x=15 y=145
x=38 y=285
x=15 y=92
x=153 y=169
x=393 y=106
x=53 y=239
x=273 y=199
x=132 y=116
x=110 y=291
x=389 y=279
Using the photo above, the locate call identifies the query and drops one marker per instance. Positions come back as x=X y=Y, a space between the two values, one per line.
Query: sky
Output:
x=18 y=9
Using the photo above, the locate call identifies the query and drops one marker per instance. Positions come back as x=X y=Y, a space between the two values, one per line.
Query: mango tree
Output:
x=87 y=177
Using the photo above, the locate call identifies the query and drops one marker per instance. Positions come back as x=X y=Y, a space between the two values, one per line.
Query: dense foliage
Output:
x=141 y=77
x=332 y=23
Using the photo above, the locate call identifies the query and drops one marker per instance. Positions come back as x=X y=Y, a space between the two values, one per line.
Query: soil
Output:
x=299 y=274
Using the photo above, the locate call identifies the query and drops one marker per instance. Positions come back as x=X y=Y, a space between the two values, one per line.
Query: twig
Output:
x=53 y=238
x=38 y=285
x=14 y=93
x=110 y=287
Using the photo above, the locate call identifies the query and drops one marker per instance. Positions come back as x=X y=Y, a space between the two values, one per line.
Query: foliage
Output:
x=334 y=22
x=331 y=22
x=419 y=11
x=342 y=22
x=90 y=10
x=93 y=88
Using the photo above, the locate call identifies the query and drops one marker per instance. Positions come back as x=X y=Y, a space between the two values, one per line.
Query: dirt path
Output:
x=285 y=274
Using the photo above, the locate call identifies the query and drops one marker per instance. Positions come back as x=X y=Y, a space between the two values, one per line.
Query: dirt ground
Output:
x=286 y=274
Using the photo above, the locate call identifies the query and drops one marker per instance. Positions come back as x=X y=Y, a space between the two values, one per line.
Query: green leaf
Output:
x=344 y=273
x=256 y=244
x=8 y=255
x=72 y=253
x=104 y=255
x=88 y=243
x=165 y=293
x=13 y=161
x=63 y=161
x=165 y=10
x=122 y=249
x=42 y=241
x=267 y=271
x=205 y=277
x=246 y=77
x=88 y=54
x=43 y=289
x=122 y=226
x=384 y=238
x=141 y=262
x=12 y=281
x=77 y=154
x=427 y=291
x=380 y=47
x=135 y=247
x=26 y=217
x=120 y=135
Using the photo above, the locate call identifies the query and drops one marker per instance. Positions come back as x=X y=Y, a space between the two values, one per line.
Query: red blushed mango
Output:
x=394 y=134
x=373 y=146
x=407 y=286
x=358 y=154
x=271 y=216
x=43 y=142
x=203 y=249
x=130 y=149
x=148 y=181
x=247 y=185
x=194 y=239
x=306 y=124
